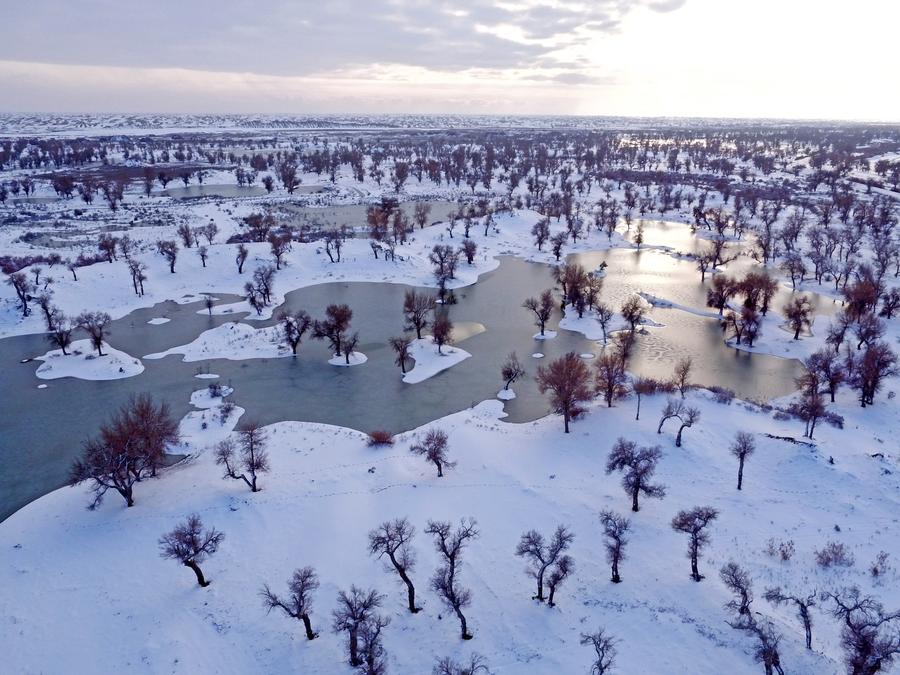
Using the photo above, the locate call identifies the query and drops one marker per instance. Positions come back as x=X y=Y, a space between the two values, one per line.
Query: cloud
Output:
x=285 y=37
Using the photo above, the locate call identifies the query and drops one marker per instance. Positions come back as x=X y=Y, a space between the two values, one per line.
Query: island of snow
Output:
x=232 y=341
x=429 y=362
x=83 y=363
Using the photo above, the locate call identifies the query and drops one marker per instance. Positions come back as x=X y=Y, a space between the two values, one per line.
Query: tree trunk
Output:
x=307 y=624
x=634 y=500
x=638 y=416
x=566 y=421
x=127 y=495
x=462 y=624
x=740 y=473
x=194 y=566
x=550 y=602
x=440 y=469
x=678 y=437
x=695 y=572
x=807 y=625
x=616 y=579
x=354 y=649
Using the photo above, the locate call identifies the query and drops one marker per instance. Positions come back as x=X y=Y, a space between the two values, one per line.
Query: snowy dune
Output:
x=83 y=363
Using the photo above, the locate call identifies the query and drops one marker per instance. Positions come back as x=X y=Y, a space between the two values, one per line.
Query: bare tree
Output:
x=401 y=345
x=280 y=244
x=542 y=556
x=468 y=248
x=693 y=523
x=60 y=332
x=293 y=328
x=94 y=324
x=392 y=540
x=615 y=528
x=742 y=447
x=803 y=603
x=334 y=328
x=610 y=378
x=633 y=311
x=568 y=381
x=434 y=449
x=564 y=568
x=738 y=581
x=445 y=582
x=190 y=545
x=512 y=370
x=254 y=459
x=605 y=316
x=869 y=636
x=23 y=288
x=639 y=465
x=416 y=310
x=798 y=312
x=241 y=257
x=356 y=608
x=442 y=331
x=645 y=386
x=371 y=648
x=685 y=414
x=682 y=376
x=447 y=666
x=542 y=308
x=298 y=604
x=604 y=651
x=169 y=250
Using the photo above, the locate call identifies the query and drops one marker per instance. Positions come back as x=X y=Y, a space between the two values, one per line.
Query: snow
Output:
x=232 y=341
x=329 y=489
x=548 y=335
x=356 y=359
x=537 y=355
x=83 y=363
x=158 y=321
x=506 y=394
x=428 y=362
x=203 y=398
x=206 y=376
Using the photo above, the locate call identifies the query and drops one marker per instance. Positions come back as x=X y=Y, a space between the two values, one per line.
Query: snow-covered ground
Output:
x=83 y=362
x=234 y=341
x=69 y=575
x=428 y=362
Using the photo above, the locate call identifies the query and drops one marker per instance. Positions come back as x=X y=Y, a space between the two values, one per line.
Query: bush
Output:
x=834 y=554
x=783 y=549
x=380 y=437
x=225 y=411
x=880 y=566
x=721 y=394
x=215 y=390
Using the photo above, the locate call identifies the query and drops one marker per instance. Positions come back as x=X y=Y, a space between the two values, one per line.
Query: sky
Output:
x=808 y=59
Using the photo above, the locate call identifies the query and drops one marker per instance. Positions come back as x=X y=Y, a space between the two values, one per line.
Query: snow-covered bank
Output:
x=327 y=489
x=83 y=363
x=428 y=362
x=233 y=341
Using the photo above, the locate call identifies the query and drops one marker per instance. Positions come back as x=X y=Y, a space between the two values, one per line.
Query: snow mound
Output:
x=83 y=363
x=356 y=359
x=428 y=362
x=232 y=341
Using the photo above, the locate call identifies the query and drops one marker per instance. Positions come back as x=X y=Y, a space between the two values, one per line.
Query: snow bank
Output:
x=428 y=362
x=83 y=363
x=232 y=341
x=356 y=359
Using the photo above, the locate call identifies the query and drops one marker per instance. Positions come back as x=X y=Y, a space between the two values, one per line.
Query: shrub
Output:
x=380 y=437
x=784 y=550
x=880 y=566
x=834 y=554
x=721 y=394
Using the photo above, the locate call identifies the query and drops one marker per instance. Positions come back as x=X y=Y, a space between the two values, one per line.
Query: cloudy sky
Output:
x=735 y=58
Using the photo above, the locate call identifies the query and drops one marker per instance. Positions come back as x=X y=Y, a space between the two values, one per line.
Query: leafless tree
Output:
x=568 y=381
x=445 y=582
x=798 y=312
x=646 y=386
x=512 y=370
x=280 y=244
x=356 y=608
x=742 y=447
x=442 y=331
x=371 y=648
x=447 y=666
x=416 y=310
x=253 y=459
x=138 y=271
x=421 y=213
x=738 y=581
x=604 y=651
x=190 y=545
x=542 y=308
x=869 y=636
x=23 y=288
x=611 y=380
x=564 y=568
x=298 y=604
x=633 y=311
x=186 y=234
x=392 y=540
x=334 y=327
x=685 y=414
x=401 y=345
x=94 y=324
x=543 y=556
x=639 y=465
x=615 y=529
x=434 y=449
x=604 y=314
x=878 y=361
x=693 y=522
x=468 y=248
x=169 y=250
x=241 y=257
x=60 y=332
x=803 y=603
x=682 y=376
x=293 y=327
